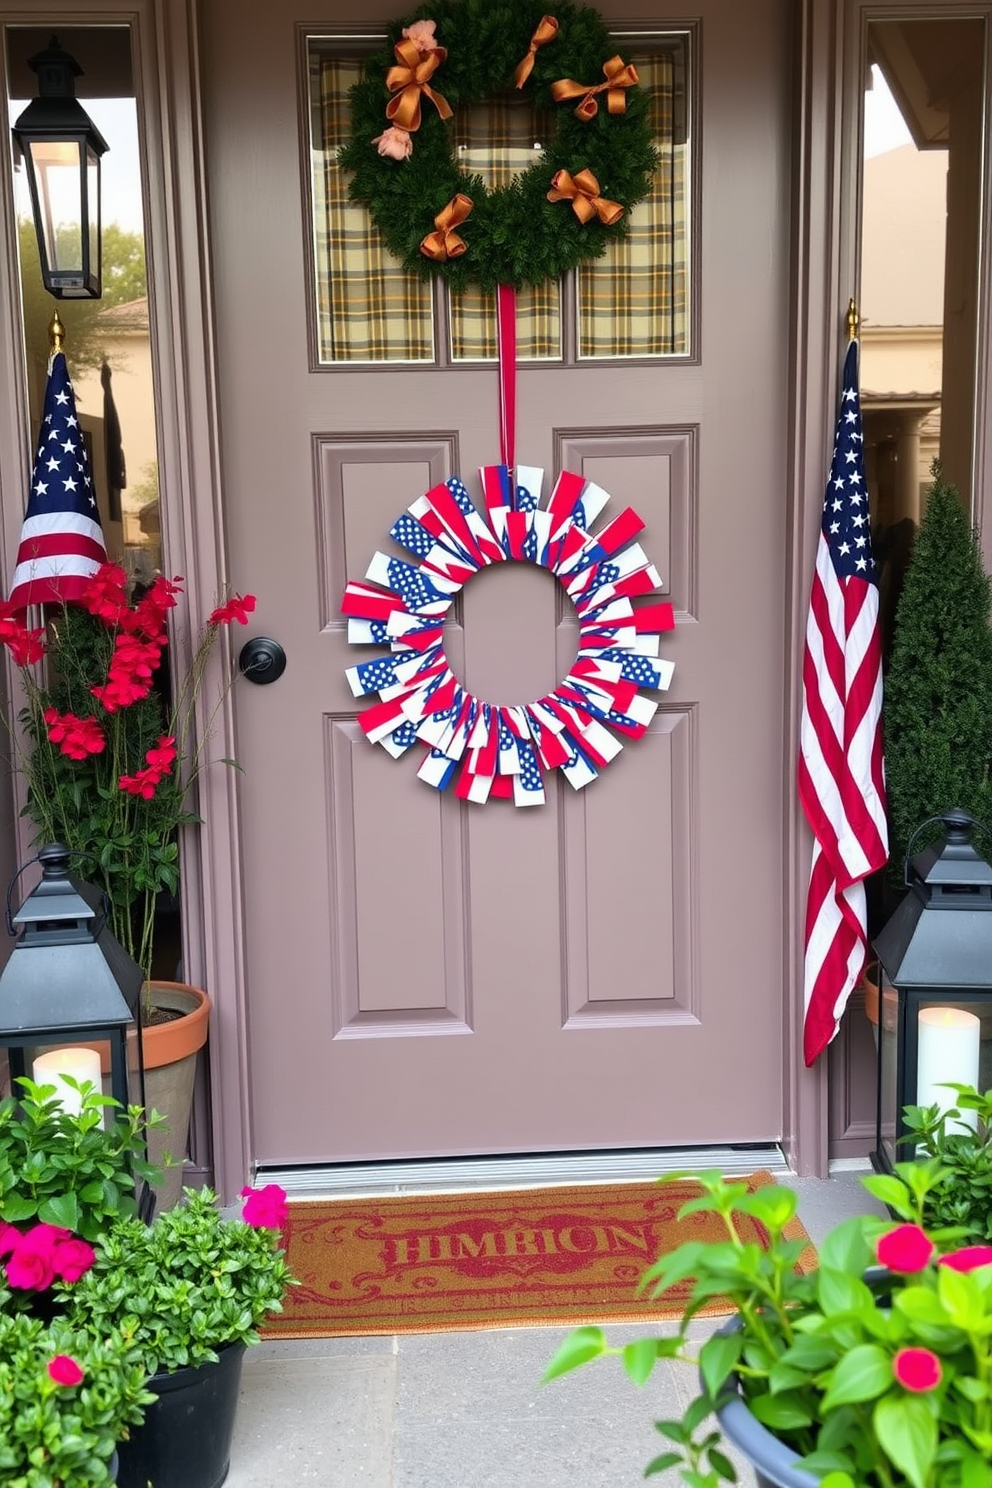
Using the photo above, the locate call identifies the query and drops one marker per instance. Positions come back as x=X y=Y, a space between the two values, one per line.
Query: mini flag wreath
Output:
x=491 y=751
x=438 y=219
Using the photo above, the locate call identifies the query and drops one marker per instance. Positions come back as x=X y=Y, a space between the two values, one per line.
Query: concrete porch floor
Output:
x=468 y=1410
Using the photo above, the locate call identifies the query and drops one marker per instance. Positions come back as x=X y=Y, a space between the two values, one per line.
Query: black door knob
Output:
x=262 y=660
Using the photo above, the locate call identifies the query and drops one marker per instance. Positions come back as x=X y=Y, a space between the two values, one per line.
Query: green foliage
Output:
x=961 y=1198
x=183 y=1287
x=63 y=1436
x=938 y=689
x=819 y=1357
x=514 y=235
x=66 y=1170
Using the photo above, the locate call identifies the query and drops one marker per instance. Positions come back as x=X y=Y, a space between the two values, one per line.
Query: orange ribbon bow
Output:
x=546 y=31
x=618 y=77
x=445 y=243
x=409 y=80
x=582 y=191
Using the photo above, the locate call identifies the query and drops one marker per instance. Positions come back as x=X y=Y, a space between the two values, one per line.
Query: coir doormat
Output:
x=426 y=1263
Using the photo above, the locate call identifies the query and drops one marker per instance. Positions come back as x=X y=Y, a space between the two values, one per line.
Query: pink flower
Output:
x=31 y=1268
x=906 y=1249
x=917 y=1369
x=72 y=1259
x=968 y=1258
x=10 y=1237
x=421 y=33
x=265 y=1208
x=394 y=142
x=64 y=1370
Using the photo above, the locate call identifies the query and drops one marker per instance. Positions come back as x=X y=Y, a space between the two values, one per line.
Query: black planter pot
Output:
x=185 y=1439
x=774 y=1463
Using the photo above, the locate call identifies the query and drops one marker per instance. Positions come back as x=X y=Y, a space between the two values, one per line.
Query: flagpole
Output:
x=853 y=321
x=56 y=333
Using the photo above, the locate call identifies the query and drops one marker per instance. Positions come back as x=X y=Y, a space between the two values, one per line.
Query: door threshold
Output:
x=542 y=1170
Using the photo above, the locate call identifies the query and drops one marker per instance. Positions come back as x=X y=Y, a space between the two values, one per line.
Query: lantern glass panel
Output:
x=930 y=1039
x=93 y=263
x=58 y=172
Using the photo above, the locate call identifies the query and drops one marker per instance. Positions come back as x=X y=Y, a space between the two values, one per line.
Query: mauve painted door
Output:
x=428 y=977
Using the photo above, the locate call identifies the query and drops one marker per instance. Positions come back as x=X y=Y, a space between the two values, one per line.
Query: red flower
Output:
x=238 y=607
x=917 y=1369
x=106 y=594
x=76 y=737
x=968 y=1258
x=142 y=783
x=26 y=646
x=161 y=757
x=72 y=1259
x=64 y=1370
x=148 y=616
x=265 y=1208
x=906 y=1249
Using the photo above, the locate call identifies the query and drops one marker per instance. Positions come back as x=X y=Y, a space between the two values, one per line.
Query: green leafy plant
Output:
x=74 y=1171
x=938 y=688
x=876 y=1369
x=109 y=763
x=67 y=1396
x=962 y=1196
x=185 y=1286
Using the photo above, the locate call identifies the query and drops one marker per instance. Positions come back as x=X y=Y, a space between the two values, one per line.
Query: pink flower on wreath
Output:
x=969 y=1258
x=905 y=1249
x=64 y=1370
x=265 y=1208
x=917 y=1369
x=394 y=143
x=421 y=33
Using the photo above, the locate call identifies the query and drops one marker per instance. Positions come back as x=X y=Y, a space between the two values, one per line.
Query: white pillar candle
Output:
x=81 y=1064
x=949 y=1043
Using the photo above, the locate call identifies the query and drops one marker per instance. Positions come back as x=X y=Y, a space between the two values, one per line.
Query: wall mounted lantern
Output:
x=69 y=985
x=935 y=971
x=61 y=148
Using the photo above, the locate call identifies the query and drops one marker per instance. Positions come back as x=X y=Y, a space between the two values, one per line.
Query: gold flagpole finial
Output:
x=853 y=321
x=56 y=333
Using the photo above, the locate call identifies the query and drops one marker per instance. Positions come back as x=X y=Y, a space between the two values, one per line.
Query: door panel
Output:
x=427 y=977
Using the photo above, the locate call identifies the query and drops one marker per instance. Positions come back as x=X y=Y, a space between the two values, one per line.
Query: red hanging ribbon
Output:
x=506 y=325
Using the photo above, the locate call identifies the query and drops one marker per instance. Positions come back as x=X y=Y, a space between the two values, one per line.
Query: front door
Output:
x=426 y=975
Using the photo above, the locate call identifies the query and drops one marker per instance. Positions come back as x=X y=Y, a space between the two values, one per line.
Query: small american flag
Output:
x=61 y=538
x=841 y=774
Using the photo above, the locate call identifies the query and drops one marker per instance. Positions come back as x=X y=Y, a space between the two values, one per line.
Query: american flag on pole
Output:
x=841 y=774
x=61 y=538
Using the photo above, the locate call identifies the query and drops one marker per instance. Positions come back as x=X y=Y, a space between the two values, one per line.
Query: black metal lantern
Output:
x=935 y=975
x=69 y=985
x=61 y=148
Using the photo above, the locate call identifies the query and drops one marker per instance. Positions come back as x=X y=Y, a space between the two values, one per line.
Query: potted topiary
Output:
x=937 y=708
x=189 y=1292
x=872 y=1370
x=938 y=688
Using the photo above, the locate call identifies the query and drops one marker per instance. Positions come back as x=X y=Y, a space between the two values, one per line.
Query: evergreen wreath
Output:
x=437 y=219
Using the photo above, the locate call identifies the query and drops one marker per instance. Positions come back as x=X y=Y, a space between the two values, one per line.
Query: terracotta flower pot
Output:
x=169 y=1052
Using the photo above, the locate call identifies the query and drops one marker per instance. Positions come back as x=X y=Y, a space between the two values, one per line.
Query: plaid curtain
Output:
x=633 y=302
x=368 y=308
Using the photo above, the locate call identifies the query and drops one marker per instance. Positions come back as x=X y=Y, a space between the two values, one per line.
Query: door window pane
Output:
x=368 y=308
x=634 y=301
